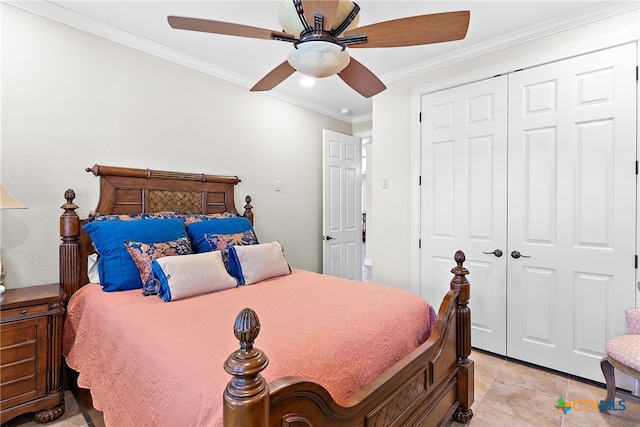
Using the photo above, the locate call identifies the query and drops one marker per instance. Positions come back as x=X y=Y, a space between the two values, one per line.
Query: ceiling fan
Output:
x=320 y=31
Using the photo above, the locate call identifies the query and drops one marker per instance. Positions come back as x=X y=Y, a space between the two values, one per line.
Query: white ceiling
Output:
x=143 y=25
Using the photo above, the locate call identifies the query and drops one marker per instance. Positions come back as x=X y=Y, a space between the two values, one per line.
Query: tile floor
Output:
x=512 y=393
x=507 y=393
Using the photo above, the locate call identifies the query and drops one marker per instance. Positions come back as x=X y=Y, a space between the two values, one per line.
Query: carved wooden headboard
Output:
x=128 y=190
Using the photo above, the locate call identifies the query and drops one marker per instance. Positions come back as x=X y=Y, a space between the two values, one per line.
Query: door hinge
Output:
x=420 y=180
x=636 y=73
x=636 y=167
x=420 y=117
x=419 y=243
x=636 y=261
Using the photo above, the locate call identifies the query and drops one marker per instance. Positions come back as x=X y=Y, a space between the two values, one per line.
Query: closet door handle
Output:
x=516 y=255
x=497 y=253
x=329 y=238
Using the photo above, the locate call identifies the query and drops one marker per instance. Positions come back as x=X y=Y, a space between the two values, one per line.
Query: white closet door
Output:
x=463 y=200
x=572 y=206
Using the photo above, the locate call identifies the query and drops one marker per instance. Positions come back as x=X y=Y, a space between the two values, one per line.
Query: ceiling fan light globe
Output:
x=290 y=21
x=318 y=58
x=288 y=18
x=344 y=9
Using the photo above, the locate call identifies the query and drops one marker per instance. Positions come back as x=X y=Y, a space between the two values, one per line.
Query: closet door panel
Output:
x=463 y=199
x=572 y=205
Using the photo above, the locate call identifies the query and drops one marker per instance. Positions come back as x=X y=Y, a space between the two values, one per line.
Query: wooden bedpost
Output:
x=463 y=345
x=248 y=209
x=70 y=246
x=246 y=398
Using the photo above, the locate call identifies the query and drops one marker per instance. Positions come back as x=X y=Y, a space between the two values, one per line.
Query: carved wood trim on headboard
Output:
x=129 y=190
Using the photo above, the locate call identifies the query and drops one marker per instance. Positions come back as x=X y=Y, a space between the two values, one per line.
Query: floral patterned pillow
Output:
x=97 y=216
x=190 y=219
x=221 y=242
x=143 y=255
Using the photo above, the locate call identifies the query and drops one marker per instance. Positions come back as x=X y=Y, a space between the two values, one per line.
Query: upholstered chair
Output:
x=623 y=354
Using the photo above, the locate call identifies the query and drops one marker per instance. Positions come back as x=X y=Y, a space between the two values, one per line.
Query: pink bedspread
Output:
x=148 y=362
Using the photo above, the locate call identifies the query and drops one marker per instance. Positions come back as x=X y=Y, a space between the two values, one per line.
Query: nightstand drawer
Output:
x=24 y=311
x=18 y=340
x=13 y=371
x=23 y=360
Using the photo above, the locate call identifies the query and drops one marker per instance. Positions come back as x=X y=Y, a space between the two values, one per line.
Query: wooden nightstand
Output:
x=31 y=352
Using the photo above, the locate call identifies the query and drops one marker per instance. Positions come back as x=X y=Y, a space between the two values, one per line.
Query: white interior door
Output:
x=464 y=200
x=568 y=232
x=342 y=211
x=572 y=207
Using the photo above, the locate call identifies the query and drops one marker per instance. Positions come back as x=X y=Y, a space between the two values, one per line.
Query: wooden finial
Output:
x=247 y=391
x=69 y=225
x=248 y=209
x=459 y=276
x=246 y=328
x=95 y=170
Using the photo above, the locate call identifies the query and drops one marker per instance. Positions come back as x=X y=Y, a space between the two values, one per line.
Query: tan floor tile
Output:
x=70 y=405
x=524 y=405
x=546 y=382
x=96 y=417
x=579 y=390
x=486 y=366
x=490 y=416
x=583 y=390
x=75 y=420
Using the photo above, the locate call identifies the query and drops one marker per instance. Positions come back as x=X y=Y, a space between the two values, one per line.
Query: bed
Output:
x=265 y=352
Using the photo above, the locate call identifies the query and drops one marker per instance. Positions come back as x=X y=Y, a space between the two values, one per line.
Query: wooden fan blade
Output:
x=326 y=8
x=274 y=77
x=415 y=30
x=227 y=28
x=361 y=79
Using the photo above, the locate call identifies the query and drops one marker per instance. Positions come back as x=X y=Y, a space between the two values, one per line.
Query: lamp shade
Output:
x=7 y=201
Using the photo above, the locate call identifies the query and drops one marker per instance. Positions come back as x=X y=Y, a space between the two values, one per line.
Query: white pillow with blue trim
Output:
x=190 y=275
x=253 y=263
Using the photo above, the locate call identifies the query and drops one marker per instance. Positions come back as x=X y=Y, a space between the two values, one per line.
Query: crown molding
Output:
x=57 y=12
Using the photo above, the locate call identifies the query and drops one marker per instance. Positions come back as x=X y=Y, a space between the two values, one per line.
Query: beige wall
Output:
x=71 y=99
x=391 y=242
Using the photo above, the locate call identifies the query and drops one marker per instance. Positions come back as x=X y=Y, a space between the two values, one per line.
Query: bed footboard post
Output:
x=70 y=246
x=465 y=365
x=246 y=398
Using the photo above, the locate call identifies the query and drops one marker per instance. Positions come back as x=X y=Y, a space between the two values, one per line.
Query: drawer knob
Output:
x=24 y=311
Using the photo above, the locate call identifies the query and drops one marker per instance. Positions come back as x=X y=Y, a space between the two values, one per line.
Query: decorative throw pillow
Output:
x=116 y=268
x=190 y=219
x=251 y=264
x=222 y=242
x=143 y=255
x=97 y=216
x=190 y=275
x=197 y=230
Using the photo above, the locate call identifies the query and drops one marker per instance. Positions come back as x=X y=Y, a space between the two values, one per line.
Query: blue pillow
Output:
x=198 y=230
x=116 y=268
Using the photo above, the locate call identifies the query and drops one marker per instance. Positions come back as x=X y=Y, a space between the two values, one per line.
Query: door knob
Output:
x=329 y=238
x=516 y=255
x=497 y=253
